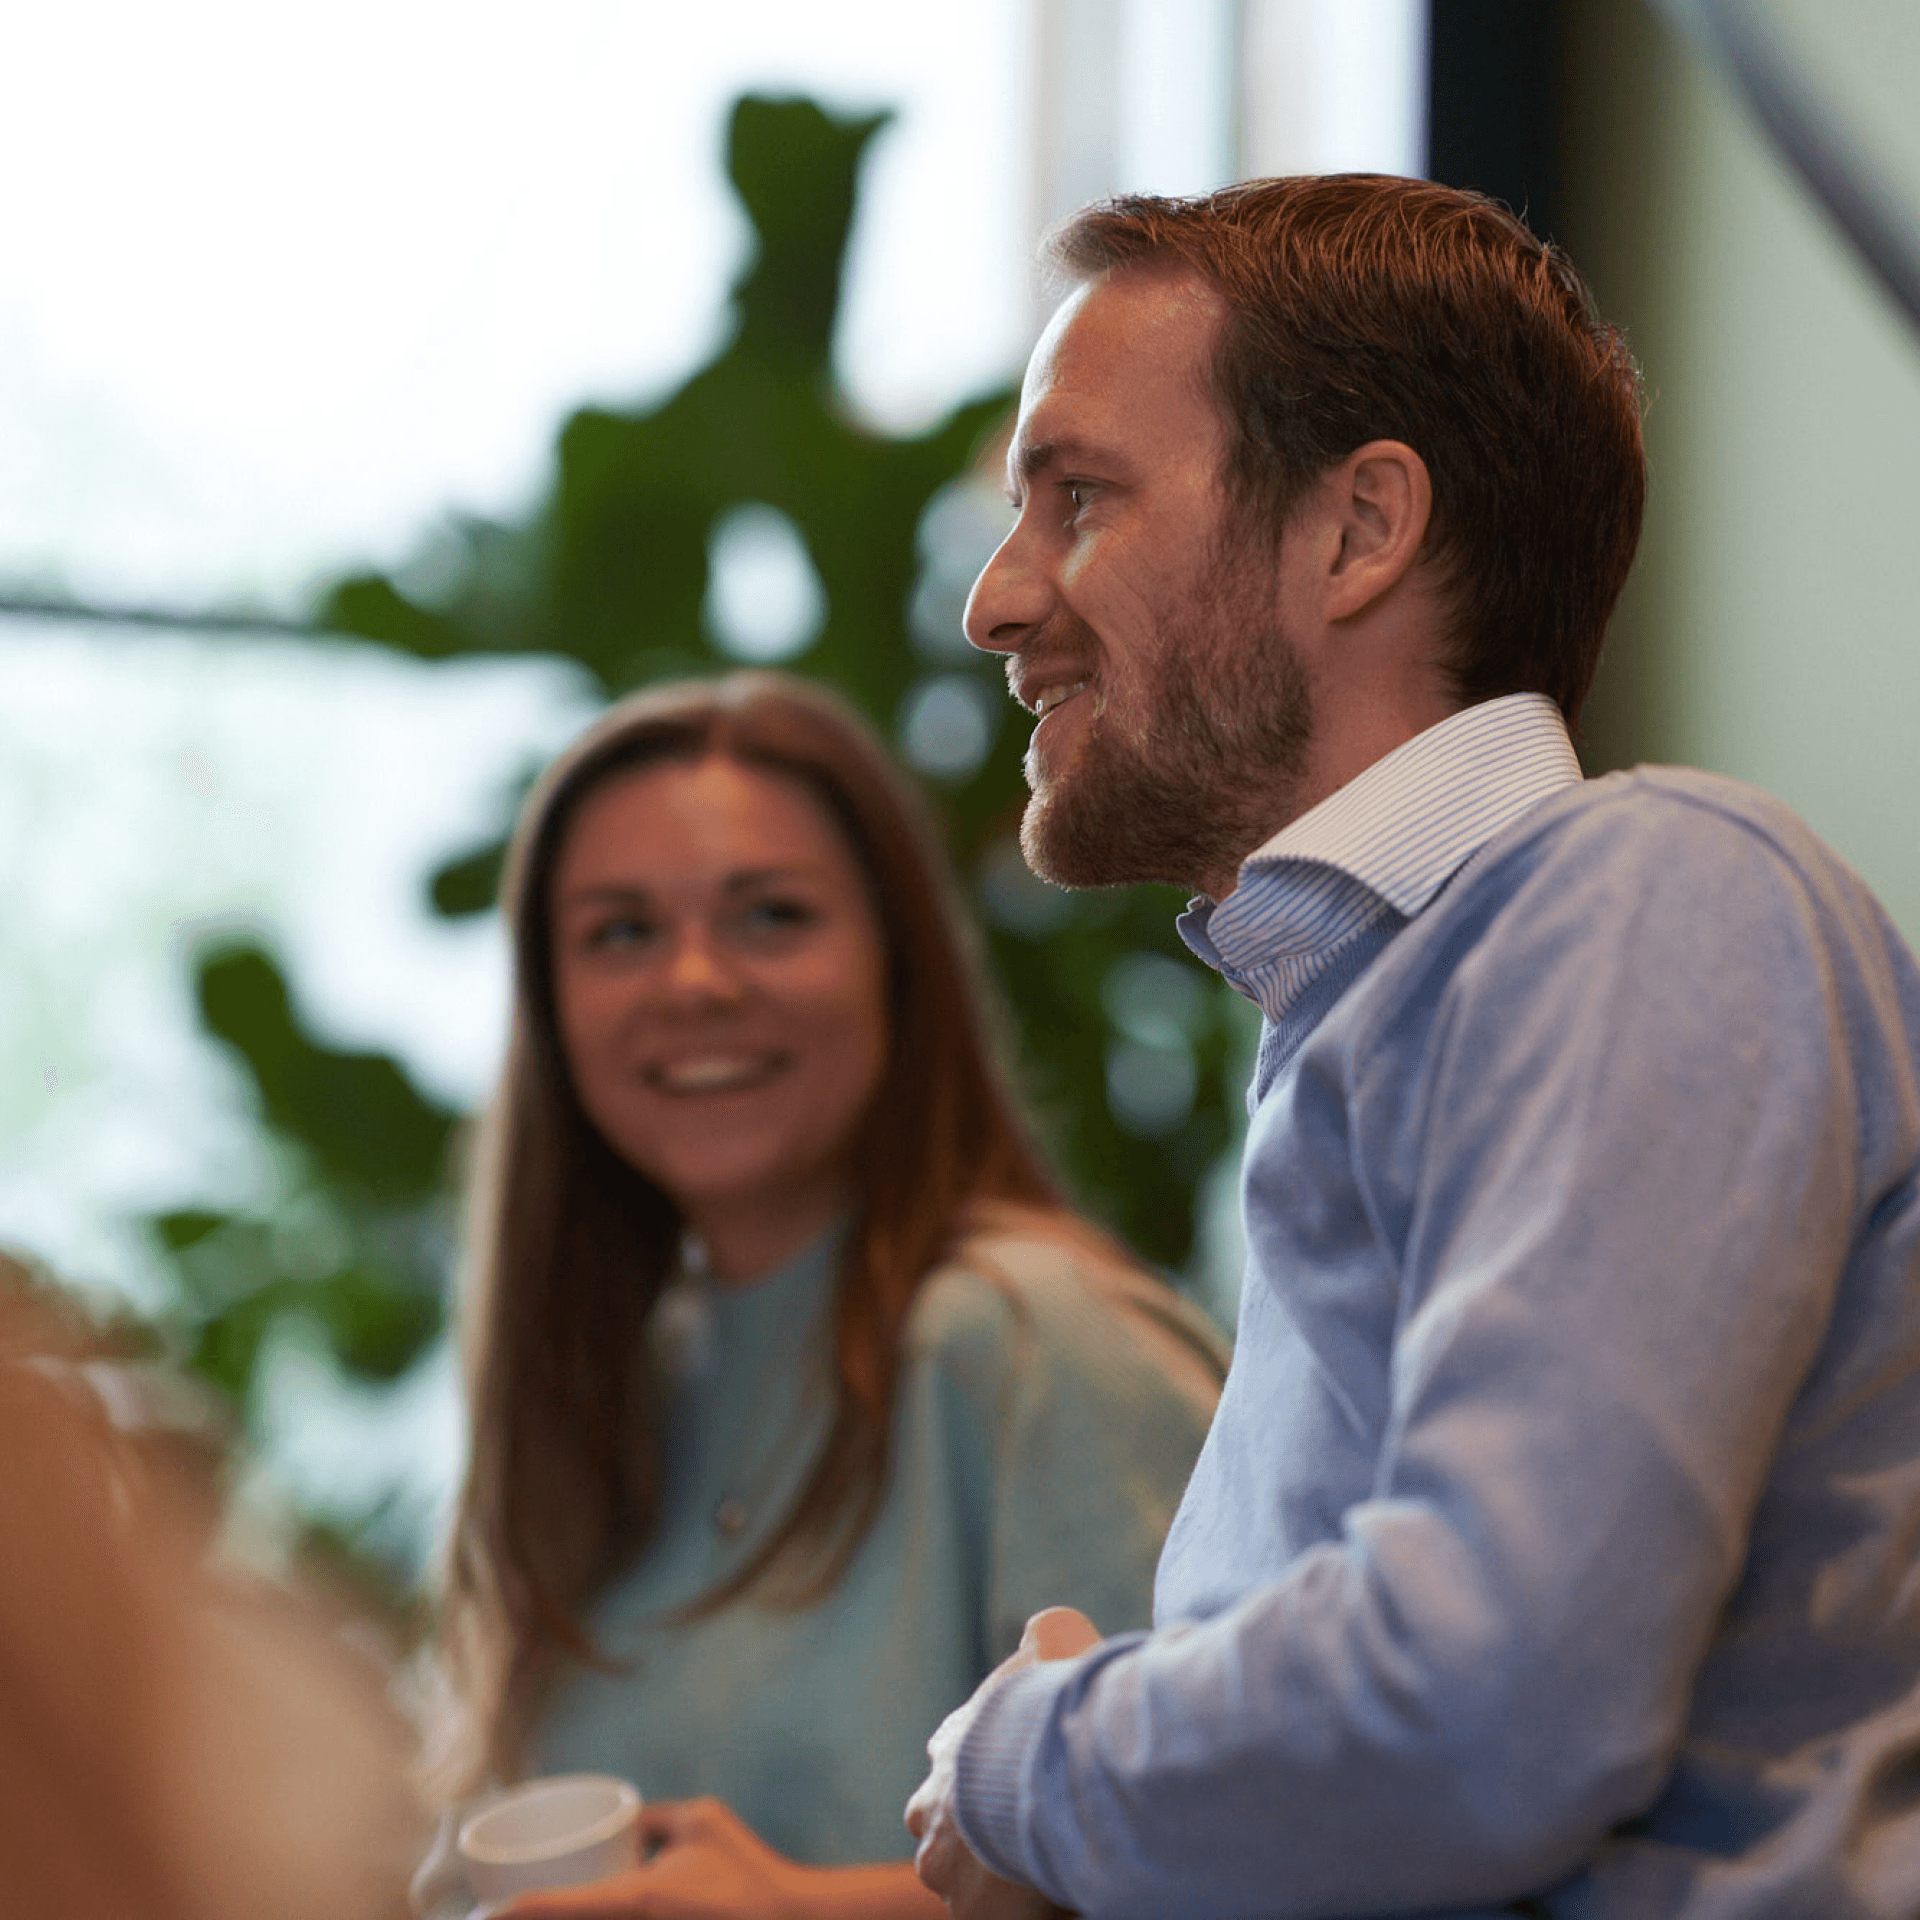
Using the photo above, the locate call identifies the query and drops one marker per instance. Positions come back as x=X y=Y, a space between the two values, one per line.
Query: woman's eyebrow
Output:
x=746 y=878
x=741 y=880
x=595 y=892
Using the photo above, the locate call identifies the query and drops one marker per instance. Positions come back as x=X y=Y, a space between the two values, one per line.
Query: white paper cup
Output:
x=554 y=1832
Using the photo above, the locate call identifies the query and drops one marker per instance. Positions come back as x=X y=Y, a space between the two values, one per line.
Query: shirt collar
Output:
x=1395 y=833
x=1407 y=824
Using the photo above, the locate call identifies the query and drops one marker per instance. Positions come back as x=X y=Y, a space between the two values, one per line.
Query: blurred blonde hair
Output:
x=179 y=1744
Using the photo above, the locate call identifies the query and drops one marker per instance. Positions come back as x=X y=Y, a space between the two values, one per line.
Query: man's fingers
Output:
x=929 y=1801
x=943 y=1861
x=940 y=1850
x=948 y=1732
x=1058 y=1633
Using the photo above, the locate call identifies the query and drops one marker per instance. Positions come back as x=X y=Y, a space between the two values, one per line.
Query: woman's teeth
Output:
x=713 y=1073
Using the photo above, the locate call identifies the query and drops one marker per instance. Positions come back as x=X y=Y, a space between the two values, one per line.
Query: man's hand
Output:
x=945 y=1862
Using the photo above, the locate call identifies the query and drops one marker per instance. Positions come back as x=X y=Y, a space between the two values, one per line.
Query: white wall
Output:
x=1332 y=89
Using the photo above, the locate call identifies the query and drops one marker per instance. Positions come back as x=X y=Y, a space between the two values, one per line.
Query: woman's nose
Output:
x=697 y=970
x=1010 y=598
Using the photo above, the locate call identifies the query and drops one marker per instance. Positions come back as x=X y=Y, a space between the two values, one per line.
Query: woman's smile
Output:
x=720 y=986
x=706 y=1074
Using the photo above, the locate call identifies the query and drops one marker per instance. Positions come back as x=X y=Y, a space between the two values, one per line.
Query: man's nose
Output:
x=1010 y=598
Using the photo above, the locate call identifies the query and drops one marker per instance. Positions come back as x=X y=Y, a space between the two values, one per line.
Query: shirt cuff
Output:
x=994 y=1771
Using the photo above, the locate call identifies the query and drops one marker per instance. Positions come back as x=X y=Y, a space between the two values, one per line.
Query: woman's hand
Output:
x=708 y=1864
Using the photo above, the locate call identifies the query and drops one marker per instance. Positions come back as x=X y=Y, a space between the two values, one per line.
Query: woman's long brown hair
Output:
x=570 y=1247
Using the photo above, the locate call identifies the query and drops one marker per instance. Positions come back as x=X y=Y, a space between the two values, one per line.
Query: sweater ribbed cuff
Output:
x=993 y=1800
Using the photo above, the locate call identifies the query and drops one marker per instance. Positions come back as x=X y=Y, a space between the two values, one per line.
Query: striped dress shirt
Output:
x=1318 y=901
x=1554 y=1539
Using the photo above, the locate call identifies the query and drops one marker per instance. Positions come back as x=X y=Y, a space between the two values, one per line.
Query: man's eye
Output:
x=1078 y=494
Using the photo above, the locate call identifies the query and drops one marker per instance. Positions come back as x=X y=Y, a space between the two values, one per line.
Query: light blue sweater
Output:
x=1049 y=1414
x=1559 y=1532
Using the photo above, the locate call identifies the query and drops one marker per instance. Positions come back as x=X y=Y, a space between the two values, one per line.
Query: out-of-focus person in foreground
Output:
x=1555 y=1547
x=178 y=1740
x=795 y=1388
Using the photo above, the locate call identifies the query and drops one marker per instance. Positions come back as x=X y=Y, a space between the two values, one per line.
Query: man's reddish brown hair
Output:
x=1362 y=307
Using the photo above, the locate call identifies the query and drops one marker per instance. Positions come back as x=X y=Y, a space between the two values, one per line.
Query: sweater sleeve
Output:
x=1095 y=1387
x=1104 y=1420
x=1606 y=1146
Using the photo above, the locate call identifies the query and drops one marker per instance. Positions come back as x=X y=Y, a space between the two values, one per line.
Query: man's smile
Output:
x=1042 y=686
x=1045 y=699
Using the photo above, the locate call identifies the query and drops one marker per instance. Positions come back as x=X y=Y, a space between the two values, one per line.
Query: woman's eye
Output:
x=618 y=933
x=778 y=915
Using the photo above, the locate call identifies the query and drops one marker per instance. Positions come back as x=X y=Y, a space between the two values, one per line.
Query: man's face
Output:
x=1143 y=630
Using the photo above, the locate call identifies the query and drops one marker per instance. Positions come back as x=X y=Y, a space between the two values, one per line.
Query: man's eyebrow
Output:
x=1033 y=457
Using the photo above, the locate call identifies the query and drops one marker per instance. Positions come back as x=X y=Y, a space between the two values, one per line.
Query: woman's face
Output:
x=720 y=983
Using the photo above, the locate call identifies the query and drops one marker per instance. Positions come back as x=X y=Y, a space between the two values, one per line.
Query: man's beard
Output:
x=1210 y=774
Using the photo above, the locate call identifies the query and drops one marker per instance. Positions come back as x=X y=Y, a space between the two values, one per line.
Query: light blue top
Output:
x=1049 y=1414
x=1558 y=1534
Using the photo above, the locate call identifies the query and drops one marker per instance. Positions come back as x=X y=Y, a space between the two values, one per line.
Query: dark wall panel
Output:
x=1493 y=102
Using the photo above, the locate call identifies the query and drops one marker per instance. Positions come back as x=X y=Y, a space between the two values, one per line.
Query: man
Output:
x=1556 y=1548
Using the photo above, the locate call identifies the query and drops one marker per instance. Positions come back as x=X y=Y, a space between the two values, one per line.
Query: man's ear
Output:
x=1379 y=498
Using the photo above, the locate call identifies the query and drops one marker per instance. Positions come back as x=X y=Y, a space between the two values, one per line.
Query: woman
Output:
x=794 y=1387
